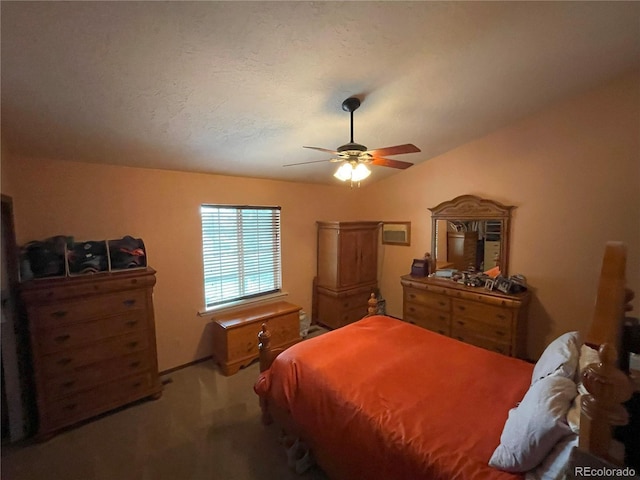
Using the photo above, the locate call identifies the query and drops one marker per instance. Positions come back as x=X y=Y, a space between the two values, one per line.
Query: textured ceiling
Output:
x=237 y=88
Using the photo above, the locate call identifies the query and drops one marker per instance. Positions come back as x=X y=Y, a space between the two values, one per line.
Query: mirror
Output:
x=470 y=231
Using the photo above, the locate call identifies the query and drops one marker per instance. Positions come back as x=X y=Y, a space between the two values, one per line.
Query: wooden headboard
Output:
x=608 y=386
x=612 y=298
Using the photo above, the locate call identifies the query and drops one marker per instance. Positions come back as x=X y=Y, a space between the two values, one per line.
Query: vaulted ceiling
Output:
x=237 y=88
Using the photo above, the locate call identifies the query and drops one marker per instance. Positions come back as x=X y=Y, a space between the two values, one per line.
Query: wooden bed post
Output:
x=372 y=308
x=266 y=357
x=608 y=386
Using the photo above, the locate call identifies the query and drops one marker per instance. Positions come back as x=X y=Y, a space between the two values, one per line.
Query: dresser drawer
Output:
x=49 y=316
x=336 y=312
x=499 y=333
x=428 y=299
x=480 y=341
x=61 y=363
x=88 y=376
x=425 y=317
x=433 y=323
x=88 y=403
x=76 y=334
x=485 y=313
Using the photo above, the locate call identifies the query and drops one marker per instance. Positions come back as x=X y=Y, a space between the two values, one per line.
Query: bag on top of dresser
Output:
x=88 y=257
x=43 y=258
x=127 y=252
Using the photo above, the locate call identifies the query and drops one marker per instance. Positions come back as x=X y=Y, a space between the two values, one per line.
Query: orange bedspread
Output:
x=384 y=399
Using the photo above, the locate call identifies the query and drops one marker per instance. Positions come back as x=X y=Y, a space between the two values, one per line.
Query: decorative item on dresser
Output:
x=347 y=271
x=235 y=333
x=93 y=344
x=488 y=319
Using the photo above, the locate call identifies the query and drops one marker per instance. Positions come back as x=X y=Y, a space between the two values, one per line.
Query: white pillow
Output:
x=588 y=356
x=553 y=467
x=535 y=426
x=562 y=354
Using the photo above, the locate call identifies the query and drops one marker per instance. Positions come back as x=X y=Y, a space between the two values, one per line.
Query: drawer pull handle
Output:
x=137 y=384
x=71 y=406
x=442 y=304
x=501 y=316
x=499 y=332
x=59 y=313
x=460 y=307
x=64 y=361
x=62 y=338
x=461 y=323
x=442 y=317
x=132 y=344
x=131 y=323
x=134 y=364
x=68 y=384
x=412 y=309
x=412 y=296
x=129 y=303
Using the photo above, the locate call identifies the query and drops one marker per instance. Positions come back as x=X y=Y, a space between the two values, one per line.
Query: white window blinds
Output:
x=241 y=251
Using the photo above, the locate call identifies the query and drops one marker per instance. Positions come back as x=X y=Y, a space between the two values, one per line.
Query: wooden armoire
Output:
x=347 y=271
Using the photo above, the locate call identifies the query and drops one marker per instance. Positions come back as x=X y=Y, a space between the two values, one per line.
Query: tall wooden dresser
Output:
x=347 y=271
x=487 y=319
x=93 y=344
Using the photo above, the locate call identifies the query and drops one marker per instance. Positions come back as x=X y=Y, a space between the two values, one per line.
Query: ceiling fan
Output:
x=356 y=157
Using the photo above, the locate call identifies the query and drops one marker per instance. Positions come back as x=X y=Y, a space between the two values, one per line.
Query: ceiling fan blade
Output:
x=387 y=162
x=333 y=152
x=397 y=150
x=305 y=163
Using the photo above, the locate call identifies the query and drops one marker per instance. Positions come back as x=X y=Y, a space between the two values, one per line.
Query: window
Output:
x=241 y=252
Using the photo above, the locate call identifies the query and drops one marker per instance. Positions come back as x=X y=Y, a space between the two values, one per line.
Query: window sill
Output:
x=229 y=307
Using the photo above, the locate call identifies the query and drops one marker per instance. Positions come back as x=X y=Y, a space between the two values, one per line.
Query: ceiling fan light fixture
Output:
x=360 y=172
x=344 y=172
x=355 y=173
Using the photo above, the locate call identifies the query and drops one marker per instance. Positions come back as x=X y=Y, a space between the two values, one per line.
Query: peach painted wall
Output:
x=573 y=173
x=93 y=202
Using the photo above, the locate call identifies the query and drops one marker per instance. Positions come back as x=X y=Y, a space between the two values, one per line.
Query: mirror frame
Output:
x=471 y=207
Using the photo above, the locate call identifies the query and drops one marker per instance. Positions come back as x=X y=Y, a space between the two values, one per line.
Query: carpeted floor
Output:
x=204 y=427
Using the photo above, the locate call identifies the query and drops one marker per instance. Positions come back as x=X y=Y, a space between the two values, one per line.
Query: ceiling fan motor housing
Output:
x=352 y=148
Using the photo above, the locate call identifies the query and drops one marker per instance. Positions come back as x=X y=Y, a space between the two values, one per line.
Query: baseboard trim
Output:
x=180 y=367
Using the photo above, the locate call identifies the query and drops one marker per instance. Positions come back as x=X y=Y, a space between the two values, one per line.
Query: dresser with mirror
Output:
x=469 y=233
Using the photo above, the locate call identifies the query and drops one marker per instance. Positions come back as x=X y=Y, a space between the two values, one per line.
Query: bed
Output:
x=384 y=399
